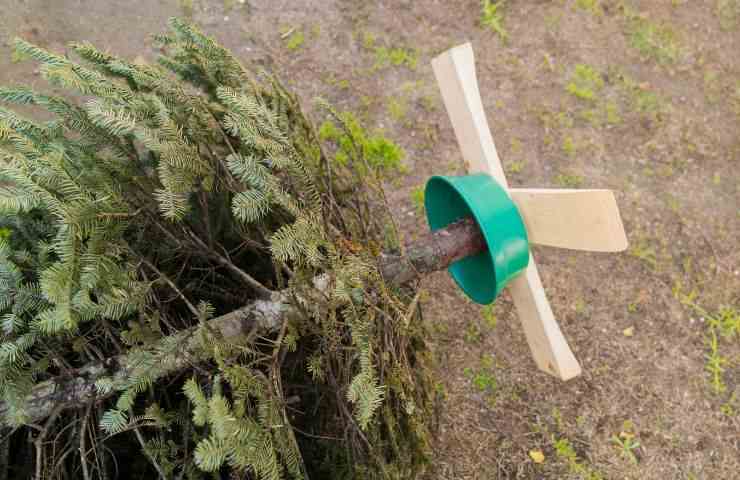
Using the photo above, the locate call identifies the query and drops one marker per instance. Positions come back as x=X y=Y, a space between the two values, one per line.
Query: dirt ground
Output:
x=642 y=97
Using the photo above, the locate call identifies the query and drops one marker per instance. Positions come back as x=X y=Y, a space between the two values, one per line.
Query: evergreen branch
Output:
x=263 y=315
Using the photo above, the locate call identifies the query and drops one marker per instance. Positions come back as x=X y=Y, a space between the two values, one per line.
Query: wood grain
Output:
x=576 y=219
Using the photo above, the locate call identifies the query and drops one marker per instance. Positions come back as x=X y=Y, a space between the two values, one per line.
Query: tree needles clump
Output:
x=159 y=200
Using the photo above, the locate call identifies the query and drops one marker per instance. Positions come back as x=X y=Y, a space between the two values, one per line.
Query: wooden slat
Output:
x=455 y=73
x=576 y=219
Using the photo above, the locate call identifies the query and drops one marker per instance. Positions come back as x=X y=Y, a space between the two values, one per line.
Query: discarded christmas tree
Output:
x=187 y=268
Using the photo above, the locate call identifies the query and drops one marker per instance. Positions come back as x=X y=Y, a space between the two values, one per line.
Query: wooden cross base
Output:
x=575 y=219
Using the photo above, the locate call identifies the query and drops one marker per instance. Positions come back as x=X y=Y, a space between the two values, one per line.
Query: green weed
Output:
x=613 y=116
x=585 y=82
x=489 y=315
x=417 y=198
x=397 y=108
x=368 y=40
x=295 y=40
x=643 y=250
x=473 y=333
x=377 y=150
x=396 y=56
x=715 y=363
x=567 y=454
x=515 y=167
x=568 y=180
x=627 y=444
x=187 y=8
x=653 y=40
x=483 y=378
x=723 y=325
x=712 y=87
x=386 y=56
x=569 y=146
x=590 y=5
x=492 y=17
x=516 y=145
x=552 y=22
x=728 y=12
x=730 y=407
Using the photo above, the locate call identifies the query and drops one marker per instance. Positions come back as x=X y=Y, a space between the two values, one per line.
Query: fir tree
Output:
x=179 y=191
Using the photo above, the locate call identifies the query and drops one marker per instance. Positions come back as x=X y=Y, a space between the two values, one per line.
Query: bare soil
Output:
x=662 y=131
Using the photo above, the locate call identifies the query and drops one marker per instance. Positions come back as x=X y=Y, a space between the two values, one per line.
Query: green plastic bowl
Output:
x=481 y=276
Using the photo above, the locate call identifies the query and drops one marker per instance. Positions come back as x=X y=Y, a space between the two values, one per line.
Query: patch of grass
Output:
x=492 y=17
x=643 y=250
x=728 y=13
x=397 y=108
x=552 y=20
x=295 y=40
x=187 y=8
x=566 y=453
x=516 y=145
x=731 y=406
x=483 y=378
x=722 y=326
x=585 y=82
x=489 y=315
x=569 y=146
x=473 y=333
x=580 y=306
x=654 y=40
x=613 y=115
x=368 y=40
x=417 y=198
x=627 y=444
x=387 y=55
x=428 y=103
x=589 y=5
x=515 y=167
x=397 y=56
x=569 y=180
x=553 y=120
x=641 y=98
x=712 y=87
x=716 y=362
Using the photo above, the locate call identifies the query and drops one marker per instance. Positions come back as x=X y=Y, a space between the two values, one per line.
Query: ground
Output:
x=642 y=97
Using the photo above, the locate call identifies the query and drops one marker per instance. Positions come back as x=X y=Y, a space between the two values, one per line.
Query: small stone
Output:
x=226 y=19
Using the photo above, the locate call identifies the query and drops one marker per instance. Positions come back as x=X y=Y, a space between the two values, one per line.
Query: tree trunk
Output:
x=433 y=252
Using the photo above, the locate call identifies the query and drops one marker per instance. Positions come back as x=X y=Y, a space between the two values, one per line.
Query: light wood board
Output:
x=455 y=73
x=576 y=219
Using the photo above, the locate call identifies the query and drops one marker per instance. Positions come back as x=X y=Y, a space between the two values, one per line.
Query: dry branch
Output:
x=435 y=251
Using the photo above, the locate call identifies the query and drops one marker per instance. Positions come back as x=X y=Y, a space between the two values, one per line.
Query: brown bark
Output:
x=435 y=251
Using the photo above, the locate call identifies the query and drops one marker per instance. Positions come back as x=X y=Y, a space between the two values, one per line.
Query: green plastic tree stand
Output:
x=448 y=199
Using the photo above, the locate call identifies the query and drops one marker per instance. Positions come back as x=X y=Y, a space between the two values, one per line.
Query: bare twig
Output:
x=251 y=281
x=151 y=458
x=83 y=433
x=172 y=285
x=39 y=442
